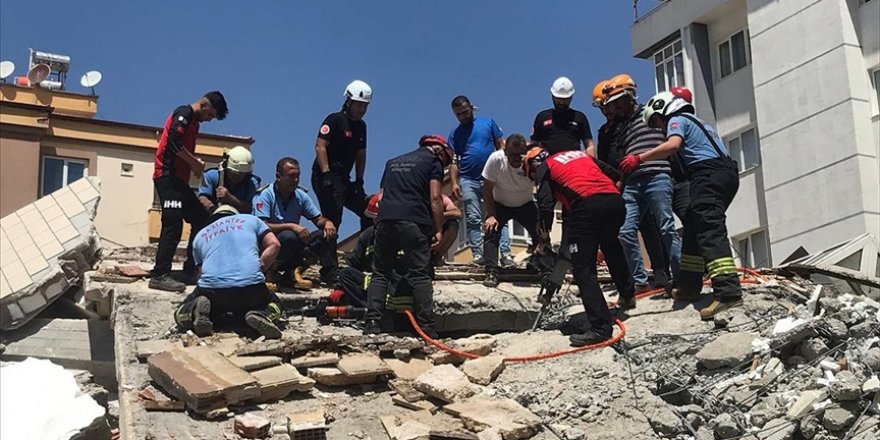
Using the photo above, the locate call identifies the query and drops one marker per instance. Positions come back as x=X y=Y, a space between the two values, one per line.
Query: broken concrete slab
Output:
x=479 y=344
x=227 y=345
x=202 y=378
x=512 y=420
x=279 y=381
x=846 y=387
x=331 y=376
x=405 y=428
x=46 y=247
x=409 y=369
x=804 y=403
x=315 y=360
x=362 y=365
x=839 y=417
x=249 y=425
x=146 y=349
x=418 y=405
x=405 y=389
x=446 y=383
x=482 y=371
x=82 y=344
x=252 y=363
x=727 y=350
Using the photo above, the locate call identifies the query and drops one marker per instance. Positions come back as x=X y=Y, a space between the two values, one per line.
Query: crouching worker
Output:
x=410 y=219
x=234 y=252
x=593 y=212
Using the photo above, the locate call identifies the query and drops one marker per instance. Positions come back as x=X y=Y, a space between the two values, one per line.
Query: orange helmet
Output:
x=599 y=93
x=619 y=85
x=534 y=158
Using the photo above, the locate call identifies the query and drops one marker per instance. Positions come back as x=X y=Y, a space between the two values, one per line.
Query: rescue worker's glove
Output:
x=328 y=179
x=630 y=163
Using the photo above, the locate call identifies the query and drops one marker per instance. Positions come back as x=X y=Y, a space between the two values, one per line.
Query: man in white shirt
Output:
x=509 y=195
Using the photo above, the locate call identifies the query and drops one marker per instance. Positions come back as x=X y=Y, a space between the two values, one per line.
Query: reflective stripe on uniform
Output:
x=405 y=302
x=367 y=278
x=182 y=316
x=692 y=263
x=274 y=312
x=721 y=266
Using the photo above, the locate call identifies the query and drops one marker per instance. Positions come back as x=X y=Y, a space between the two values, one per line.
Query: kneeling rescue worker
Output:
x=234 y=251
x=713 y=184
x=593 y=212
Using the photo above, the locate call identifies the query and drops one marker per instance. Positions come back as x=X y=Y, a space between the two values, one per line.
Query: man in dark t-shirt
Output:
x=410 y=219
x=341 y=146
x=562 y=128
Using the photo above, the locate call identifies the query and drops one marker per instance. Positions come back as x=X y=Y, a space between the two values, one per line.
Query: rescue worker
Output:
x=594 y=213
x=175 y=161
x=475 y=138
x=234 y=184
x=648 y=189
x=714 y=181
x=342 y=145
x=562 y=128
x=234 y=250
x=281 y=205
x=410 y=219
x=509 y=195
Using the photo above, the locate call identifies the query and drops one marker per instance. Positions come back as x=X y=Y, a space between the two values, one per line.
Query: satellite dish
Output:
x=6 y=69
x=38 y=73
x=90 y=79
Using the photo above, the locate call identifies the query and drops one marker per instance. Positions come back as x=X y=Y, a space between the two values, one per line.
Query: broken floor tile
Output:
x=145 y=349
x=251 y=363
x=362 y=364
x=484 y=370
x=511 y=419
x=446 y=383
x=315 y=360
x=479 y=344
x=331 y=376
x=409 y=369
x=405 y=389
x=279 y=381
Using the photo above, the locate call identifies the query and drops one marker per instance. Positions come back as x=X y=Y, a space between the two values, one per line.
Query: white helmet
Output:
x=240 y=160
x=562 y=88
x=665 y=104
x=358 y=90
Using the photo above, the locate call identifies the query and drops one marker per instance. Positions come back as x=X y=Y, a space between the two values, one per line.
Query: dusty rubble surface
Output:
x=759 y=386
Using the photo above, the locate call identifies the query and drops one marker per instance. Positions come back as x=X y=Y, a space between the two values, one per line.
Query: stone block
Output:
x=482 y=371
x=202 y=378
x=727 y=350
x=331 y=376
x=446 y=383
x=251 y=363
x=846 y=387
x=512 y=420
x=279 y=381
x=362 y=364
x=145 y=349
x=315 y=360
x=479 y=344
x=804 y=403
x=839 y=417
x=409 y=369
x=250 y=425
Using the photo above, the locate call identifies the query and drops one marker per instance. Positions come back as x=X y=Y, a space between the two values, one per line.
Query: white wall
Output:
x=125 y=201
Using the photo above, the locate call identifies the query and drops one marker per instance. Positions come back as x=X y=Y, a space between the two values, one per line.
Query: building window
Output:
x=733 y=53
x=745 y=149
x=754 y=249
x=518 y=233
x=669 y=67
x=875 y=81
x=58 y=172
x=126 y=169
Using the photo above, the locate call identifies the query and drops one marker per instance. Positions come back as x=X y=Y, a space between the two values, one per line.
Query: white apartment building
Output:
x=792 y=87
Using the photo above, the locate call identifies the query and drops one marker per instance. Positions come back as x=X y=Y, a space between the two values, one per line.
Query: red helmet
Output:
x=534 y=158
x=446 y=153
x=683 y=93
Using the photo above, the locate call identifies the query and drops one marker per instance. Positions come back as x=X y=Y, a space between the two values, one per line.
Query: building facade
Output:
x=50 y=138
x=792 y=87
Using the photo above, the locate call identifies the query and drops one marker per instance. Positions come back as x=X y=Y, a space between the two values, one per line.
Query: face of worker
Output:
x=288 y=179
x=207 y=112
x=561 y=103
x=464 y=113
x=515 y=154
x=234 y=176
x=357 y=109
x=622 y=107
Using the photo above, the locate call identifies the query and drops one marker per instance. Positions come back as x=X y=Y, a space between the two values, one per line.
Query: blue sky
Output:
x=284 y=65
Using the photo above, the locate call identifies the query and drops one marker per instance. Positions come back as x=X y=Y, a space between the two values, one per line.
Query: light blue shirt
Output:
x=696 y=147
x=244 y=191
x=229 y=252
x=268 y=206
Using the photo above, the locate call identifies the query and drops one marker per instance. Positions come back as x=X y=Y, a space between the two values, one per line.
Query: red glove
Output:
x=630 y=163
x=336 y=296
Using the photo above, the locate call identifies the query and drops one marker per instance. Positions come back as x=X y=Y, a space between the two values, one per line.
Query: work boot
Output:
x=680 y=294
x=301 y=283
x=589 y=337
x=507 y=261
x=165 y=282
x=719 y=305
x=371 y=327
x=479 y=261
x=491 y=279
x=626 y=303
x=202 y=325
x=263 y=325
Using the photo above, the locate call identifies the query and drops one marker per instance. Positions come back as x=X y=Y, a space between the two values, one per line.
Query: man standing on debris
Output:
x=175 y=160
x=281 y=205
x=562 y=128
x=341 y=145
x=509 y=195
x=594 y=213
x=232 y=184
x=648 y=189
x=234 y=251
x=714 y=181
x=475 y=138
x=410 y=220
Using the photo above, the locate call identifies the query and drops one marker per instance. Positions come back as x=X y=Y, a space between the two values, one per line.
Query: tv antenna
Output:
x=90 y=79
x=38 y=73
x=6 y=69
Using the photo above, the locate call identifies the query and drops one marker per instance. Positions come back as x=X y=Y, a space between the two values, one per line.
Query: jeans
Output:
x=472 y=195
x=649 y=193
